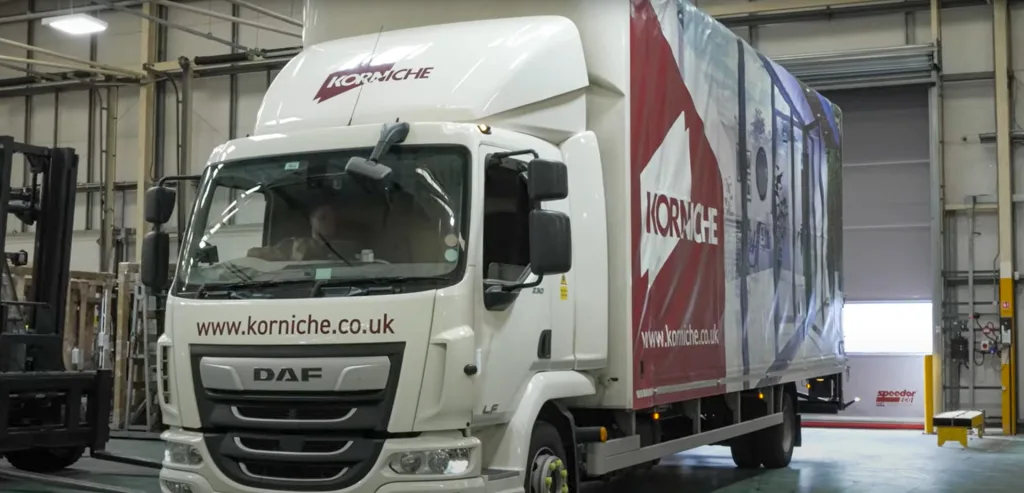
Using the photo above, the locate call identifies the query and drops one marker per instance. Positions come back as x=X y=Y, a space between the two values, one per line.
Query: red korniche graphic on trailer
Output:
x=678 y=271
x=367 y=72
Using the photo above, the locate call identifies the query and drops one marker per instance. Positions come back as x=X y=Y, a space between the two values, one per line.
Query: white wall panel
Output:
x=970 y=164
x=834 y=35
x=250 y=36
x=967 y=40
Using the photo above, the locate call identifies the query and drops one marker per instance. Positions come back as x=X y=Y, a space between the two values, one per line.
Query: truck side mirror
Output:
x=156 y=256
x=550 y=242
x=160 y=202
x=547 y=180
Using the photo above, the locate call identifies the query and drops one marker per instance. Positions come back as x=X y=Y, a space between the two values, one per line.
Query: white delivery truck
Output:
x=503 y=247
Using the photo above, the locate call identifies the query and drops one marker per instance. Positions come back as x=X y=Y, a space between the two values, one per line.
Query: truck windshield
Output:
x=279 y=225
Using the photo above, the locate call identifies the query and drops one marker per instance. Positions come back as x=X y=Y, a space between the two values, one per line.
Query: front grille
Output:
x=293 y=462
x=306 y=440
x=327 y=413
x=309 y=446
x=288 y=472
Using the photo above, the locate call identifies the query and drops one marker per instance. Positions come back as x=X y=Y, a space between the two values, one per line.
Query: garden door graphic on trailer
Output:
x=735 y=171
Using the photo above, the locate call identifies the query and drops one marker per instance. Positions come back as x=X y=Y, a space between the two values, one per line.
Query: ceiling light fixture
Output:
x=77 y=24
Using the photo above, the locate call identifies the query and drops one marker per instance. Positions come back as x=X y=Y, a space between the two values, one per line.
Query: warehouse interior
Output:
x=932 y=229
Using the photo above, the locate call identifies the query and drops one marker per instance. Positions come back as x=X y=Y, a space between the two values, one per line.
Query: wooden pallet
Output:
x=88 y=294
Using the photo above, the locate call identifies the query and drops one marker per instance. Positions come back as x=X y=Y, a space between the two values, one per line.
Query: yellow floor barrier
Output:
x=955 y=426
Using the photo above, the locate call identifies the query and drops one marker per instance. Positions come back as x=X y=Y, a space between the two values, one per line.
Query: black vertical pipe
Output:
x=236 y=11
x=56 y=118
x=185 y=146
x=158 y=168
x=30 y=38
x=90 y=154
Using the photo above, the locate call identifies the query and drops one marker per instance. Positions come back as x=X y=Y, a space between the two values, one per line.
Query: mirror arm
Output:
x=498 y=156
x=521 y=286
x=379 y=150
x=176 y=178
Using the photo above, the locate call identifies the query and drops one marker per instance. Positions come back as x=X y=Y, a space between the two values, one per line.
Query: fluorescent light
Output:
x=77 y=24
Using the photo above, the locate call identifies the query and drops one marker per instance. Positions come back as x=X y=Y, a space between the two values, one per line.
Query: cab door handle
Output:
x=544 y=345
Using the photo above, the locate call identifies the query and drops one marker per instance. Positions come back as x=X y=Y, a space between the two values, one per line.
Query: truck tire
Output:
x=546 y=470
x=45 y=460
x=775 y=444
x=745 y=452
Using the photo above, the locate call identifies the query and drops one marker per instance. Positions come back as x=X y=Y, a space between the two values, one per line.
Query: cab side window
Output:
x=506 y=249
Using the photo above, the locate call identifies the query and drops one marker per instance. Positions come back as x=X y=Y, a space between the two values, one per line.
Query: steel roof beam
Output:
x=789 y=11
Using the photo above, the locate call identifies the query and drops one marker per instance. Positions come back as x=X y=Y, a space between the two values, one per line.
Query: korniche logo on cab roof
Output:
x=343 y=81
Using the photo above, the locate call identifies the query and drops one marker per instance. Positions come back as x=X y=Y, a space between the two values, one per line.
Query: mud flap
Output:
x=573 y=451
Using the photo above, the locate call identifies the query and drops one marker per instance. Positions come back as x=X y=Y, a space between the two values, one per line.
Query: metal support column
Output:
x=147 y=120
x=936 y=173
x=107 y=257
x=1004 y=184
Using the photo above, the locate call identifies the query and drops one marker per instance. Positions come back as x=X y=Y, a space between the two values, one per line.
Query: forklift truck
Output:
x=49 y=414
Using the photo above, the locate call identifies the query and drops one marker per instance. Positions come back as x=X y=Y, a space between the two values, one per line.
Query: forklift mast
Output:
x=48 y=203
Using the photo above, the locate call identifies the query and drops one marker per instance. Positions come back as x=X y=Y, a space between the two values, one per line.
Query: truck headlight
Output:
x=182 y=454
x=447 y=462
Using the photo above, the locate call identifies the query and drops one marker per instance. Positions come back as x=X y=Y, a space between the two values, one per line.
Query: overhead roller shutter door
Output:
x=876 y=67
x=886 y=235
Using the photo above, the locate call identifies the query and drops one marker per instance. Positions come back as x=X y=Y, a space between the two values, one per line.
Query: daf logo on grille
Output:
x=287 y=374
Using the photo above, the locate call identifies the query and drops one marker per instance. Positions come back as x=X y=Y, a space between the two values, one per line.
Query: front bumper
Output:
x=199 y=484
x=206 y=478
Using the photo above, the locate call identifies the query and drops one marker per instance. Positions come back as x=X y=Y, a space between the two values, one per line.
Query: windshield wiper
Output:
x=381 y=285
x=406 y=279
x=230 y=290
x=318 y=288
x=358 y=286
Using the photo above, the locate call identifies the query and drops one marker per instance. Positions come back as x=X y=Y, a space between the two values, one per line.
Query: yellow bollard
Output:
x=929 y=401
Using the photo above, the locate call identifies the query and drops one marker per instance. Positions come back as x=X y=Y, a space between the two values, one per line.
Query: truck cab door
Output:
x=515 y=338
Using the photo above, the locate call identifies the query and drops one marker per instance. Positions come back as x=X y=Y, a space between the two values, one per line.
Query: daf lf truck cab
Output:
x=426 y=268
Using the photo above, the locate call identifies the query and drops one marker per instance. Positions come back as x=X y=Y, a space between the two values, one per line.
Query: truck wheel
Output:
x=776 y=443
x=546 y=470
x=744 y=452
x=45 y=460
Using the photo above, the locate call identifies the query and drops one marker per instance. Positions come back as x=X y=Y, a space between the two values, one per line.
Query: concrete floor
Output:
x=831 y=461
